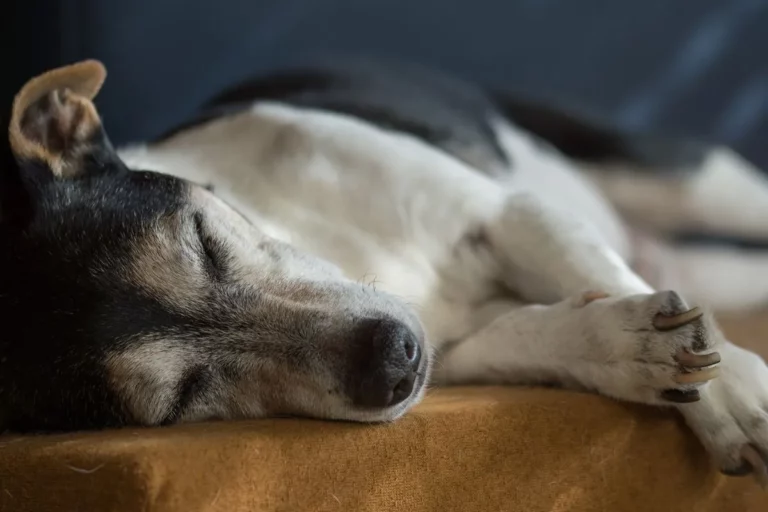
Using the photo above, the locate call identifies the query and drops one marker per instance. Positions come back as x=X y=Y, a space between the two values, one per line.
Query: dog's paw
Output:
x=731 y=420
x=653 y=349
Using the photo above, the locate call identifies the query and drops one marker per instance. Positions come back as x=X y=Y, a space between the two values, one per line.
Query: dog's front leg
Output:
x=635 y=344
x=546 y=255
x=649 y=349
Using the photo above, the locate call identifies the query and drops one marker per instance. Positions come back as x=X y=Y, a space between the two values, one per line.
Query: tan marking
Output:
x=166 y=266
x=146 y=377
x=72 y=115
x=280 y=390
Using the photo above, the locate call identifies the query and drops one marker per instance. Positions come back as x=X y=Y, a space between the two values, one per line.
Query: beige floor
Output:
x=750 y=331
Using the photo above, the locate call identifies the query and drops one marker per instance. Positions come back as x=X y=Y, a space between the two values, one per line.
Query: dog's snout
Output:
x=386 y=365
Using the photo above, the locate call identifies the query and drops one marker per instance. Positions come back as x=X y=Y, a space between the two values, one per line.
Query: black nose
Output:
x=384 y=365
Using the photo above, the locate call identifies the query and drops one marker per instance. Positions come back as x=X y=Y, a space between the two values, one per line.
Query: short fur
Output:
x=316 y=240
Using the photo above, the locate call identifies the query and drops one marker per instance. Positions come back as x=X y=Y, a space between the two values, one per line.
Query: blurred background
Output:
x=688 y=67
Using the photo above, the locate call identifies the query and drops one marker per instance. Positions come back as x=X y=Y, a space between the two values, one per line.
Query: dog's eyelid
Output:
x=199 y=223
x=211 y=252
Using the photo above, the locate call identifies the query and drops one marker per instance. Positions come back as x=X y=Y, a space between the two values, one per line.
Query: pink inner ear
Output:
x=60 y=122
x=83 y=79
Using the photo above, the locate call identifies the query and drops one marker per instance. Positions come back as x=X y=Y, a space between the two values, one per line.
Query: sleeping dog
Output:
x=325 y=241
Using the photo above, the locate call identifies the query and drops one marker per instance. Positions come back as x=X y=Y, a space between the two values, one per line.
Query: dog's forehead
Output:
x=150 y=244
x=87 y=235
x=106 y=211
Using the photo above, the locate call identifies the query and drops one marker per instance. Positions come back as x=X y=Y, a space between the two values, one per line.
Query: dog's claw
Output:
x=681 y=397
x=743 y=470
x=759 y=467
x=592 y=296
x=697 y=376
x=666 y=323
x=691 y=360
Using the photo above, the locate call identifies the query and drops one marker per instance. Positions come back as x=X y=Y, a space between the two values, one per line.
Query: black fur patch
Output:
x=437 y=109
x=587 y=139
x=63 y=291
x=452 y=115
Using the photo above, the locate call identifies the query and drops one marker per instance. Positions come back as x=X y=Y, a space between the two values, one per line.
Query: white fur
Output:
x=727 y=197
x=594 y=345
x=387 y=206
x=551 y=178
x=714 y=199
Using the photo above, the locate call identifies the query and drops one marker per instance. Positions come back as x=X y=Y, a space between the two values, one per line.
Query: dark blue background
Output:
x=696 y=67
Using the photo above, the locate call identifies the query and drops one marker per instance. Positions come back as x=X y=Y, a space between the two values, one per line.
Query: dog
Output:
x=324 y=241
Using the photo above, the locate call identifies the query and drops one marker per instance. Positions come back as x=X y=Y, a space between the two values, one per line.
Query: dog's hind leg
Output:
x=665 y=183
x=546 y=255
x=722 y=277
x=720 y=194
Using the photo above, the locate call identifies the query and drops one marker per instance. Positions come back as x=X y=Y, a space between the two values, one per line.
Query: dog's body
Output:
x=390 y=217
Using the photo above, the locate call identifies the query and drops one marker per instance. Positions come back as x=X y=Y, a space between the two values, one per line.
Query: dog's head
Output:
x=131 y=297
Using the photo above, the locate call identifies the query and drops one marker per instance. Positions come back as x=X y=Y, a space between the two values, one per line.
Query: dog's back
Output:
x=629 y=185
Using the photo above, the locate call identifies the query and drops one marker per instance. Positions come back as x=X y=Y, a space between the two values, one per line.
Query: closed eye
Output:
x=212 y=253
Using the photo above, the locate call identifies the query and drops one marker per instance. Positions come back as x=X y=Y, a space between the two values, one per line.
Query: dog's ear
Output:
x=55 y=123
